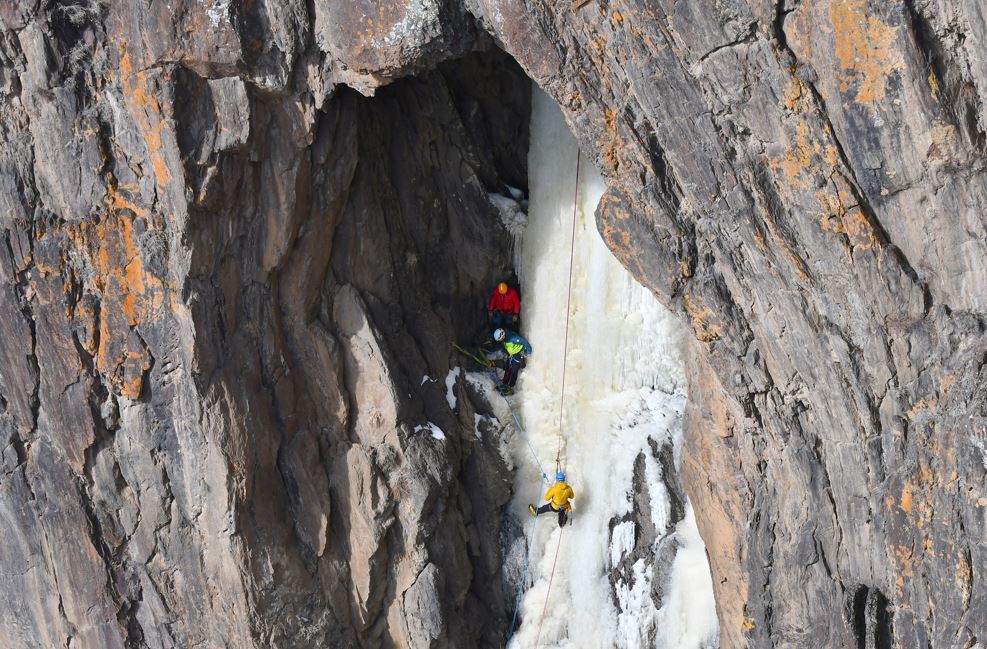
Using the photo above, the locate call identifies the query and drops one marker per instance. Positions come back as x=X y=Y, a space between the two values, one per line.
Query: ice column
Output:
x=624 y=386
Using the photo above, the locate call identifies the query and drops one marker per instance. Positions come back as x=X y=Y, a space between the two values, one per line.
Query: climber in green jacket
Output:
x=518 y=349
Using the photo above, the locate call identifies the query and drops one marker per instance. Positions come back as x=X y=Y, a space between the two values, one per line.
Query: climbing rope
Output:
x=558 y=453
x=524 y=436
x=548 y=592
x=568 y=305
x=565 y=355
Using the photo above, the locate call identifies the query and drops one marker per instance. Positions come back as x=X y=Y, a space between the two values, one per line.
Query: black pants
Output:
x=501 y=320
x=547 y=507
x=511 y=369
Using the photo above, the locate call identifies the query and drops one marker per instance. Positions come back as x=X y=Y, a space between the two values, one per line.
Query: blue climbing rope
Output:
x=523 y=580
x=524 y=436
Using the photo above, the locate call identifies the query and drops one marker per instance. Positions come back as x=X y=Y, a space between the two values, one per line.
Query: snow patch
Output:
x=450 y=384
x=429 y=427
x=478 y=420
x=217 y=11
x=621 y=541
x=420 y=21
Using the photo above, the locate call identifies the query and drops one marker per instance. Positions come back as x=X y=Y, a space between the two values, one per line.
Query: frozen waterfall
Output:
x=624 y=395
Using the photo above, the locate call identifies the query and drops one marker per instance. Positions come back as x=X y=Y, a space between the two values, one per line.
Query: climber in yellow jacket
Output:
x=558 y=497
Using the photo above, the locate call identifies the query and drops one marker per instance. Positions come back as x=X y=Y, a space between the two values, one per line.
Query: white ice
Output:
x=624 y=384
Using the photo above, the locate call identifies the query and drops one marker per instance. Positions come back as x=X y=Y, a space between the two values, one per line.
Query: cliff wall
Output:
x=224 y=272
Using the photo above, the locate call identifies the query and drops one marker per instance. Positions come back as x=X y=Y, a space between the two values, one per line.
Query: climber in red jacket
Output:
x=505 y=308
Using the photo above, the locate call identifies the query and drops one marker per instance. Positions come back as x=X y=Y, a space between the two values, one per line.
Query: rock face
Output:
x=228 y=301
x=230 y=283
x=804 y=182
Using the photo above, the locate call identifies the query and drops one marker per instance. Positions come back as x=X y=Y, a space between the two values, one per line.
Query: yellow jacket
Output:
x=559 y=494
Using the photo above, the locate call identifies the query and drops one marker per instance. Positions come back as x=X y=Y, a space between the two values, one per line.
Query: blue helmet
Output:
x=560 y=476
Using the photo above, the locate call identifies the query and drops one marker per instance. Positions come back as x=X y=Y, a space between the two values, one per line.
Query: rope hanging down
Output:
x=568 y=305
x=565 y=354
x=548 y=591
x=524 y=436
x=558 y=453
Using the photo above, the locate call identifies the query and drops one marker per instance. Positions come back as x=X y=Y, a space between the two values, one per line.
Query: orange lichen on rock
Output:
x=852 y=223
x=843 y=215
x=147 y=114
x=796 y=99
x=610 y=145
x=612 y=209
x=906 y=498
x=119 y=270
x=865 y=47
x=922 y=404
x=129 y=295
x=933 y=83
x=798 y=158
x=701 y=316
x=920 y=528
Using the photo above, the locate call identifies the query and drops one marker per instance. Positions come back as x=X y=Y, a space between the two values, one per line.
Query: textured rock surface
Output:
x=218 y=307
x=804 y=182
x=224 y=277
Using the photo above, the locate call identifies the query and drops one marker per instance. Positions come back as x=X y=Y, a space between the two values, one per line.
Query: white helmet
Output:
x=499 y=335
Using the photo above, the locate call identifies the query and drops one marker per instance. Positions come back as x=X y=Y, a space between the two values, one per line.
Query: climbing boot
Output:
x=531 y=508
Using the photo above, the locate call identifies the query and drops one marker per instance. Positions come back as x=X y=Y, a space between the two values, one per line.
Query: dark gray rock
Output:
x=218 y=306
x=254 y=267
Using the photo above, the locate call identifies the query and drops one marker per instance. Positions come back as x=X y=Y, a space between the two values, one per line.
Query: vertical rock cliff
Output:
x=229 y=294
x=230 y=281
x=804 y=183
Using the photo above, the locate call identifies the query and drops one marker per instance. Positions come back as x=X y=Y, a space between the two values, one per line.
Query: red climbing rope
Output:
x=549 y=590
x=565 y=353
x=568 y=303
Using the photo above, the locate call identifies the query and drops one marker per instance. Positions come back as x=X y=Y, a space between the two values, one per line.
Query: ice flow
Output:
x=624 y=386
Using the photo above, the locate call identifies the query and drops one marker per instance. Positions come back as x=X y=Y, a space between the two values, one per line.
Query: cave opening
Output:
x=504 y=143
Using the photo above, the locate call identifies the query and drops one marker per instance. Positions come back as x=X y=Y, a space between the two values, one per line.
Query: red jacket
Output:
x=508 y=303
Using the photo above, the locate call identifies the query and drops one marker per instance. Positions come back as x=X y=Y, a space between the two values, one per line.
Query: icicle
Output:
x=513 y=218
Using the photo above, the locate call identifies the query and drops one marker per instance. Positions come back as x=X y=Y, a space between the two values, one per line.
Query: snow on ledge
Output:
x=450 y=385
x=431 y=428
